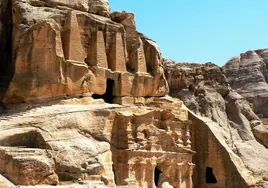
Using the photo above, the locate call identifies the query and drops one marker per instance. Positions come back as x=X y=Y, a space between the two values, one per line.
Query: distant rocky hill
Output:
x=248 y=75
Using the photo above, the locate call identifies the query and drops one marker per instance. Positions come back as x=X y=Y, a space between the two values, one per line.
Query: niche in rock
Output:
x=108 y=96
x=157 y=174
x=210 y=177
x=31 y=139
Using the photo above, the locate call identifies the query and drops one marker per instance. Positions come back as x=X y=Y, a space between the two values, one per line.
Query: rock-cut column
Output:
x=150 y=167
x=179 y=170
x=190 y=174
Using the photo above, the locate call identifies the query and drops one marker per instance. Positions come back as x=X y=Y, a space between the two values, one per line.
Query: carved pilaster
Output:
x=151 y=165
x=130 y=139
x=131 y=176
x=179 y=169
x=143 y=172
x=190 y=174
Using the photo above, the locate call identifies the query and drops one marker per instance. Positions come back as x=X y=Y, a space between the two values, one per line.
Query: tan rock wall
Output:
x=87 y=142
x=71 y=52
x=211 y=153
x=38 y=64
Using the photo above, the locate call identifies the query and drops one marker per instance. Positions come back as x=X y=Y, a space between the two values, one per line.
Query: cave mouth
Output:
x=7 y=65
x=210 y=177
x=31 y=139
x=157 y=174
x=108 y=96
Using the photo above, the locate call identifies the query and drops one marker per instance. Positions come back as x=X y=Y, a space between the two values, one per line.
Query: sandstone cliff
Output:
x=62 y=60
x=84 y=105
x=96 y=143
x=205 y=91
x=60 y=48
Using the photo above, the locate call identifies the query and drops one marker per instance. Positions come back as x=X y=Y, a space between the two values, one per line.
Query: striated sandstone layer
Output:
x=232 y=143
x=248 y=75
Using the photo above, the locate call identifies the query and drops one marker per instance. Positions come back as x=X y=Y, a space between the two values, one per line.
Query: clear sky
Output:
x=201 y=30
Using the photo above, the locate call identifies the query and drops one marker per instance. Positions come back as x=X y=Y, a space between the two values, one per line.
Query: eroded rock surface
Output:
x=205 y=90
x=62 y=60
x=248 y=75
x=74 y=48
x=112 y=144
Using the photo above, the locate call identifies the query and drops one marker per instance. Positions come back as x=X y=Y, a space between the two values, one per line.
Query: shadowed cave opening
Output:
x=31 y=139
x=7 y=65
x=210 y=177
x=108 y=96
x=157 y=174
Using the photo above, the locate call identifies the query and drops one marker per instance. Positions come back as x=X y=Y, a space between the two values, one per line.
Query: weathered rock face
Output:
x=96 y=142
x=230 y=141
x=55 y=50
x=60 y=48
x=202 y=87
x=248 y=75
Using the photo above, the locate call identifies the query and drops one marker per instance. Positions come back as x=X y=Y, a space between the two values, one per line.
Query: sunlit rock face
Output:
x=248 y=74
x=63 y=62
x=234 y=140
x=93 y=143
x=78 y=47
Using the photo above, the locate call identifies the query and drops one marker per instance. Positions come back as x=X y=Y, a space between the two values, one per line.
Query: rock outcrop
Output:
x=63 y=62
x=97 y=142
x=78 y=47
x=230 y=140
x=248 y=75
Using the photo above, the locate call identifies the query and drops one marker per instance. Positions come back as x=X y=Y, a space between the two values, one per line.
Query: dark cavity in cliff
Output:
x=6 y=60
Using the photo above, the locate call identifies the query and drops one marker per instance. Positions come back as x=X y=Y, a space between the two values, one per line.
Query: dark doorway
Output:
x=210 y=178
x=108 y=96
x=157 y=173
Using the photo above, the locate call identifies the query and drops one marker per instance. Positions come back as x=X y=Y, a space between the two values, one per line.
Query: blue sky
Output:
x=201 y=30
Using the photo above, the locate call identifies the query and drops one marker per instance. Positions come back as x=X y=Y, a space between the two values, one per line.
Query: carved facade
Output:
x=79 y=57
x=62 y=50
x=153 y=149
